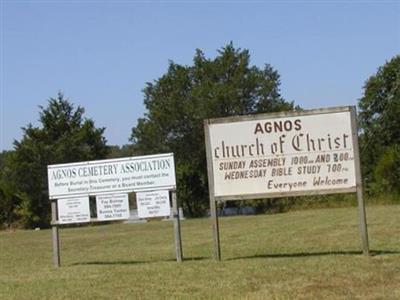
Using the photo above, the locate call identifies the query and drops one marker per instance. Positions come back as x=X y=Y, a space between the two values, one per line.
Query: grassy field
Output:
x=312 y=254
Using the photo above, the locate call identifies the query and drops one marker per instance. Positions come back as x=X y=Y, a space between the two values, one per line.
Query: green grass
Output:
x=314 y=254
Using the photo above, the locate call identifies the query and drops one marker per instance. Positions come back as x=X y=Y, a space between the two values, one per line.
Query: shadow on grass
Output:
x=133 y=262
x=276 y=255
x=309 y=254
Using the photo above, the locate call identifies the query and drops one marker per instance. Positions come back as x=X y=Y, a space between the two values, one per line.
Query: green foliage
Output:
x=184 y=96
x=116 y=151
x=387 y=171
x=380 y=127
x=3 y=158
x=65 y=136
x=10 y=197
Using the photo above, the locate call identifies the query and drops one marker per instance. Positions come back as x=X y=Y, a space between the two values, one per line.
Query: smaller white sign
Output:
x=112 y=207
x=153 y=204
x=73 y=210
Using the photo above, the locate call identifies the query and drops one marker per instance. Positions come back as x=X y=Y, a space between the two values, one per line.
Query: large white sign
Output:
x=279 y=155
x=73 y=210
x=153 y=204
x=112 y=175
x=112 y=207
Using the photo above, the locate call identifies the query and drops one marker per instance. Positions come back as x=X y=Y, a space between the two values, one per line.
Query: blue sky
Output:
x=101 y=53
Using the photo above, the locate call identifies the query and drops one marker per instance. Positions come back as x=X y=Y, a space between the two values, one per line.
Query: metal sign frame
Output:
x=358 y=188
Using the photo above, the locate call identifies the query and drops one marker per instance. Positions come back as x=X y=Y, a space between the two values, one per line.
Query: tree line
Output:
x=177 y=103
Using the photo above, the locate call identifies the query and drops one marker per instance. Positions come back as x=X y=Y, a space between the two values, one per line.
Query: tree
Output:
x=65 y=136
x=116 y=151
x=10 y=196
x=380 y=126
x=387 y=171
x=179 y=101
x=3 y=158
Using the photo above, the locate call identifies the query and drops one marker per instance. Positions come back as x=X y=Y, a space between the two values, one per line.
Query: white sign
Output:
x=112 y=175
x=153 y=204
x=112 y=207
x=73 y=210
x=282 y=154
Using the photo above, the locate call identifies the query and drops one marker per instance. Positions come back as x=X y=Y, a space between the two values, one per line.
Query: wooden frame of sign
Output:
x=92 y=178
x=283 y=154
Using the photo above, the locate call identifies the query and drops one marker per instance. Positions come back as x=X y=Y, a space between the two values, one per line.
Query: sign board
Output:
x=153 y=204
x=73 y=210
x=112 y=207
x=112 y=175
x=110 y=180
x=283 y=154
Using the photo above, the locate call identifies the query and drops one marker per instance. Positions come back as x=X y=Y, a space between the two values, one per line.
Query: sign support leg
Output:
x=363 y=221
x=213 y=204
x=215 y=228
x=359 y=184
x=177 y=228
x=55 y=235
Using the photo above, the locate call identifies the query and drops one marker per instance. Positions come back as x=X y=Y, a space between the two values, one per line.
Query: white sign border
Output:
x=84 y=203
x=110 y=196
x=167 y=192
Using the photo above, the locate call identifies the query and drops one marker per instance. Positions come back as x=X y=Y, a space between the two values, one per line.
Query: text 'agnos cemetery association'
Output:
x=127 y=174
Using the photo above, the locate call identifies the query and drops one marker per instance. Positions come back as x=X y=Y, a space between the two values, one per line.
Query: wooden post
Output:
x=213 y=204
x=177 y=228
x=55 y=235
x=359 y=184
x=215 y=227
